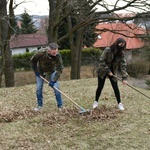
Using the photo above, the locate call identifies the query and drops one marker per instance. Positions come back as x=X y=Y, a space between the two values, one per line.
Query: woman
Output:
x=111 y=58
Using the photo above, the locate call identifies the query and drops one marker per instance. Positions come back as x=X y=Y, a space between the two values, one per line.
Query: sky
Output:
x=33 y=7
x=41 y=7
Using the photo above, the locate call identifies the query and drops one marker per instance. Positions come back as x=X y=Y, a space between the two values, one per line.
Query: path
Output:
x=141 y=83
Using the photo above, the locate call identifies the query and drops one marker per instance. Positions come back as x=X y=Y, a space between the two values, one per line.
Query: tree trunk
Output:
x=1 y=67
x=79 y=43
x=5 y=37
x=74 y=62
x=54 y=19
x=76 y=51
x=9 y=70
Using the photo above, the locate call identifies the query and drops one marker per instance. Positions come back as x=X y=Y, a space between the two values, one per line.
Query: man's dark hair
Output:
x=53 y=46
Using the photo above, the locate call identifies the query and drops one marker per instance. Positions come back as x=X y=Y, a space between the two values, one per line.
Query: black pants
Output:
x=114 y=84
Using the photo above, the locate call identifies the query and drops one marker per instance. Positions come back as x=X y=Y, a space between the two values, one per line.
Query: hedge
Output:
x=89 y=56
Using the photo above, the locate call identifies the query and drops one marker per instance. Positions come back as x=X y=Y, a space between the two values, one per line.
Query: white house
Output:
x=22 y=43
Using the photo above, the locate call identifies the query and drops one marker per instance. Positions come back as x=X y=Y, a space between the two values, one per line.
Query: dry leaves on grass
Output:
x=99 y=114
x=48 y=118
x=10 y=116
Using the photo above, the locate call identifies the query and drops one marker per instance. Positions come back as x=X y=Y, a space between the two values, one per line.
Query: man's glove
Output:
x=51 y=83
x=37 y=74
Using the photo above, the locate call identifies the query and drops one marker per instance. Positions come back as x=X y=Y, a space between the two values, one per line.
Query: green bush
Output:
x=89 y=56
x=22 y=61
x=66 y=56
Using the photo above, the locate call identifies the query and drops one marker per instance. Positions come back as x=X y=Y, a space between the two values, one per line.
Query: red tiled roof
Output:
x=107 y=38
x=27 y=40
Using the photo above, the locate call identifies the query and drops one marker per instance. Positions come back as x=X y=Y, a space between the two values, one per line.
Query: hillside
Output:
x=101 y=129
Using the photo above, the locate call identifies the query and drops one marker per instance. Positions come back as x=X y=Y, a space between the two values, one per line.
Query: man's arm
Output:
x=59 y=67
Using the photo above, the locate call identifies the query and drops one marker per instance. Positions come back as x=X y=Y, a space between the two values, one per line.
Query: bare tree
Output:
x=5 y=33
x=62 y=8
x=56 y=14
x=80 y=10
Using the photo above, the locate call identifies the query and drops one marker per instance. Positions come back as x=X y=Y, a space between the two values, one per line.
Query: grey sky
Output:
x=41 y=7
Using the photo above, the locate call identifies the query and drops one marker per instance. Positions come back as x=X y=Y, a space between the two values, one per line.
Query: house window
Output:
x=38 y=48
x=27 y=50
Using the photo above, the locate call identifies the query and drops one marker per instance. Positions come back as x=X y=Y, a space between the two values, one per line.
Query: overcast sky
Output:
x=33 y=7
x=41 y=7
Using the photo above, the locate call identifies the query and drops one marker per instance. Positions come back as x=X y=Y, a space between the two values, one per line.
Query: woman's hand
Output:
x=124 y=82
x=110 y=74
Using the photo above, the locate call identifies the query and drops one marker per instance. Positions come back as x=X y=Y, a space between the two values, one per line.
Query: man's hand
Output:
x=51 y=83
x=37 y=74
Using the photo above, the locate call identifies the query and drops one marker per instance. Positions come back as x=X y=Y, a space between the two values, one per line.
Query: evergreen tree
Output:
x=15 y=27
x=27 y=25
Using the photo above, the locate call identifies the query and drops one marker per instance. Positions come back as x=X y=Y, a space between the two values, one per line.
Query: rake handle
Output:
x=64 y=94
x=133 y=87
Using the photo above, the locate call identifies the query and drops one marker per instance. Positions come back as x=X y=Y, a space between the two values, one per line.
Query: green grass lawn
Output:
x=105 y=128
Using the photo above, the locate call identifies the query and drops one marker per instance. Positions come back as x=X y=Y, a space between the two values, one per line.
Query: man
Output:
x=47 y=63
x=111 y=58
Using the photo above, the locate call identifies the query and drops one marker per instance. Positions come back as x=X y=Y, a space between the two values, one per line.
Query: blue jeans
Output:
x=39 y=91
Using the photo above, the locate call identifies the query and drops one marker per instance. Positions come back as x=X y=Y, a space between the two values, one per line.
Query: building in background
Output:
x=22 y=43
x=109 y=32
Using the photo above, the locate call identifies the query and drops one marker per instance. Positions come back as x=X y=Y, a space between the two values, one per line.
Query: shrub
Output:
x=66 y=56
x=22 y=61
x=89 y=56
x=148 y=82
x=138 y=67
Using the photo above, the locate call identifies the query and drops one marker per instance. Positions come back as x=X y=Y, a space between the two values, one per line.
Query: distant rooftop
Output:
x=106 y=37
x=28 y=40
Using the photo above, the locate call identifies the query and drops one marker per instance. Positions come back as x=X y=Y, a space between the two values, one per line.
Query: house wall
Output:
x=23 y=50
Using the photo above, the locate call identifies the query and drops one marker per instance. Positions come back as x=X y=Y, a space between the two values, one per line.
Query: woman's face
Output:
x=121 y=44
x=119 y=47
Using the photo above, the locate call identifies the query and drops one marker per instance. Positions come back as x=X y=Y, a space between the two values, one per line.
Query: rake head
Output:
x=82 y=111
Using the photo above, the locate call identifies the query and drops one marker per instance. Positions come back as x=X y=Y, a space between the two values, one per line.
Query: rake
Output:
x=82 y=109
x=132 y=87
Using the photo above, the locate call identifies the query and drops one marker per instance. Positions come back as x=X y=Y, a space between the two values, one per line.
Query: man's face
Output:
x=52 y=52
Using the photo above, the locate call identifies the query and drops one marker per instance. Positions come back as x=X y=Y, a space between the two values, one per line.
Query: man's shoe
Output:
x=95 y=104
x=60 y=108
x=38 y=108
x=120 y=106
